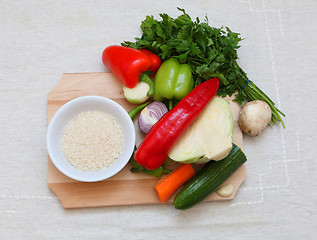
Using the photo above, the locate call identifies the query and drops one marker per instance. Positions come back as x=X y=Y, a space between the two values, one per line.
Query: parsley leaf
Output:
x=210 y=52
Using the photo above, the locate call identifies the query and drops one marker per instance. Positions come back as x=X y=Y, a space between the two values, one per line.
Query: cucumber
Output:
x=209 y=179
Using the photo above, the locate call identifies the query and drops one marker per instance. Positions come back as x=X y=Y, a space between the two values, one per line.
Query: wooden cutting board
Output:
x=125 y=188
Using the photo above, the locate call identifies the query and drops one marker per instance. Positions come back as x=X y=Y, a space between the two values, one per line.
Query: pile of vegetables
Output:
x=154 y=149
x=209 y=51
x=176 y=69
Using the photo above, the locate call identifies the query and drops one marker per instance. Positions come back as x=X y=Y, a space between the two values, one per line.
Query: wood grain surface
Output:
x=125 y=188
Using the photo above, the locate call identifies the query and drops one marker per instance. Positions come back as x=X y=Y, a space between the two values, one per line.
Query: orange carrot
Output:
x=174 y=180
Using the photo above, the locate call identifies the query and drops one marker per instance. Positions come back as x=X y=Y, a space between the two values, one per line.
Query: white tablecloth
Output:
x=40 y=40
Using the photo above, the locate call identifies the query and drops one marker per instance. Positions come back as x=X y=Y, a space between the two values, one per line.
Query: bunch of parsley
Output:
x=210 y=52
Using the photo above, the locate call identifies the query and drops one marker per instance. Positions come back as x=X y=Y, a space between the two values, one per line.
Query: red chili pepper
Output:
x=157 y=143
x=127 y=64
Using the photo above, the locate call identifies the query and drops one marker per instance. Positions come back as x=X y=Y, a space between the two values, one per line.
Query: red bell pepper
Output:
x=155 y=60
x=127 y=64
x=157 y=143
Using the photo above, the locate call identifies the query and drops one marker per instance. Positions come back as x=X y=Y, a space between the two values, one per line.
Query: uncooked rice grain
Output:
x=92 y=140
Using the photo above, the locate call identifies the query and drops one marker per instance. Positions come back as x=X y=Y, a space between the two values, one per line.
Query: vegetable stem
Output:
x=252 y=92
x=158 y=172
x=170 y=104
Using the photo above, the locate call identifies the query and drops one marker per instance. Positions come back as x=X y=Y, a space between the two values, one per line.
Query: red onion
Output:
x=150 y=115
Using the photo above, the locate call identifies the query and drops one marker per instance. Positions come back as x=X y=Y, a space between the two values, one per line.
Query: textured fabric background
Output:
x=40 y=40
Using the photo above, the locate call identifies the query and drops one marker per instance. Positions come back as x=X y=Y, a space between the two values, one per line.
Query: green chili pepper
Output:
x=172 y=81
x=155 y=172
x=137 y=109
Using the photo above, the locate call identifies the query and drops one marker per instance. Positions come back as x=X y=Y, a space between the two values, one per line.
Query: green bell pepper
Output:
x=172 y=81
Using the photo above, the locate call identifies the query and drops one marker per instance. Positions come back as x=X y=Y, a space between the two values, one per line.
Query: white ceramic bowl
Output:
x=66 y=113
